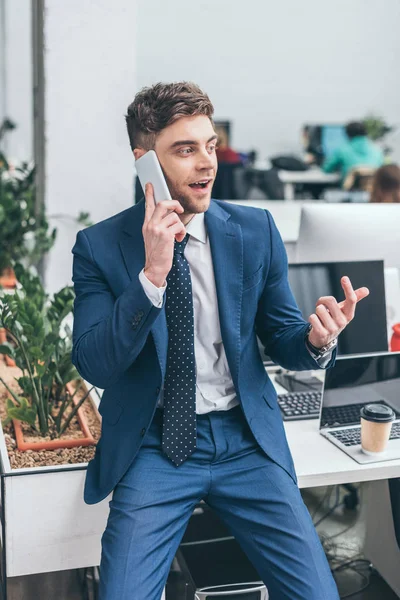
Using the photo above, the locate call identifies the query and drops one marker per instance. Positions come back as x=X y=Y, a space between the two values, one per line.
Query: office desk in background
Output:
x=291 y=178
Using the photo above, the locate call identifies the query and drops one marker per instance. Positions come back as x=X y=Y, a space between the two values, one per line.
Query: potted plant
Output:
x=47 y=526
x=48 y=401
x=24 y=230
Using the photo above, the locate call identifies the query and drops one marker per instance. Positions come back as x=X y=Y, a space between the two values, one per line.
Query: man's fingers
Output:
x=165 y=207
x=150 y=202
x=361 y=293
x=348 y=305
x=317 y=326
x=326 y=319
x=331 y=304
x=179 y=230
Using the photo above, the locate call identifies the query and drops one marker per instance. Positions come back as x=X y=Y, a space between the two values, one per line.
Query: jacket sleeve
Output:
x=333 y=163
x=108 y=332
x=279 y=322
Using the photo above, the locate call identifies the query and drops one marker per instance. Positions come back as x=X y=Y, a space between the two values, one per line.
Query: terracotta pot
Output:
x=8 y=279
x=395 y=341
x=3 y=338
x=87 y=440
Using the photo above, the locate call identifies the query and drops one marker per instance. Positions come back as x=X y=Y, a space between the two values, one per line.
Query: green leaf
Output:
x=25 y=412
x=7 y=349
x=35 y=352
x=6 y=422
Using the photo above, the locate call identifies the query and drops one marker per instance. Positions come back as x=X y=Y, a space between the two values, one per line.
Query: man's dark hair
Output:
x=355 y=129
x=160 y=105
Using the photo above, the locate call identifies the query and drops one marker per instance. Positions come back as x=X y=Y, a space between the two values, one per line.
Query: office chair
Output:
x=213 y=564
x=230 y=182
x=247 y=591
x=359 y=179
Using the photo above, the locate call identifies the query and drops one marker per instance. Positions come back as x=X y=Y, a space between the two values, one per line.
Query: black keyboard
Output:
x=300 y=405
x=343 y=415
x=352 y=437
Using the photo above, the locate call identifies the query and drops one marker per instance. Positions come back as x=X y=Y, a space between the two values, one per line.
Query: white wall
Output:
x=90 y=80
x=16 y=95
x=268 y=66
x=271 y=66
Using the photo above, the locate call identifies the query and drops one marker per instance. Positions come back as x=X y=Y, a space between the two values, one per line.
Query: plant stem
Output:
x=61 y=410
x=10 y=391
x=43 y=424
x=74 y=411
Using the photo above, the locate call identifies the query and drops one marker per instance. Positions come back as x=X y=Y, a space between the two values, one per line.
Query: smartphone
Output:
x=149 y=170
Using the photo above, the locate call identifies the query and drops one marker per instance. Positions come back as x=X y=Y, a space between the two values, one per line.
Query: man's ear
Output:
x=138 y=152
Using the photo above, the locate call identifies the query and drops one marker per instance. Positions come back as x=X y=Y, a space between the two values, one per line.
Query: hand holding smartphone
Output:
x=162 y=224
x=149 y=170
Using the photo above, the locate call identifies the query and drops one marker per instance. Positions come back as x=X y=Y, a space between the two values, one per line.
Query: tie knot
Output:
x=180 y=246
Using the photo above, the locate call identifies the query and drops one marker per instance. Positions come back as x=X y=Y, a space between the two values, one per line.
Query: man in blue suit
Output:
x=169 y=300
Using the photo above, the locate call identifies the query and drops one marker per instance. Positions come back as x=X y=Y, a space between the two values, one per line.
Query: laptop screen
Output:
x=368 y=331
x=358 y=380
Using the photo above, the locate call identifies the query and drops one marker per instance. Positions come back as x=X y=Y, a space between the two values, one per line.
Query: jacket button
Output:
x=143 y=431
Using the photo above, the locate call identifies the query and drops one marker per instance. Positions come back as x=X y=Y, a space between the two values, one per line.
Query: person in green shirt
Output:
x=359 y=151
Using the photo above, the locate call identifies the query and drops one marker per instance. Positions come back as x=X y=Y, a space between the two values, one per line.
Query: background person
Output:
x=359 y=151
x=386 y=185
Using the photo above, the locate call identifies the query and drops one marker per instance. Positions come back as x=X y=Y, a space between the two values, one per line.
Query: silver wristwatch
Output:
x=321 y=352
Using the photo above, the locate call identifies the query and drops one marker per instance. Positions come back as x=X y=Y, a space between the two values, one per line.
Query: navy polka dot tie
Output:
x=179 y=425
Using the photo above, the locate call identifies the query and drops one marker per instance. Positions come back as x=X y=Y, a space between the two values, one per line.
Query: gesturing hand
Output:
x=160 y=228
x=331 y=317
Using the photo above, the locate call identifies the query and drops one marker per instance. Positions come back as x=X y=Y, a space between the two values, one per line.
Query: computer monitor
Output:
x=343 y=232
x=322 y=140
x=332 y=137
x=367 y=332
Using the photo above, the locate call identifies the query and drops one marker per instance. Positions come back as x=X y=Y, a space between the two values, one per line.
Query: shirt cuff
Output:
x=154 y=294
x=322 y=361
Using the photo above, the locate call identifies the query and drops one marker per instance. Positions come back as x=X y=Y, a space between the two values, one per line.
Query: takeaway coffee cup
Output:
x=376 y=424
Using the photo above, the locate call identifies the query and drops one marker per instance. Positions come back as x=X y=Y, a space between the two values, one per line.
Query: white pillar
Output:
x=89 y=82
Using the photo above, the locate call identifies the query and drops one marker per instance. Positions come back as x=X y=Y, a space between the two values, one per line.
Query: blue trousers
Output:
x=255 y=497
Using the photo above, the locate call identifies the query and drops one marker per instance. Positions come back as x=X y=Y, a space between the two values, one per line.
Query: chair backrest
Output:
x=229 y=182
x=254 y=590
x=359 y=179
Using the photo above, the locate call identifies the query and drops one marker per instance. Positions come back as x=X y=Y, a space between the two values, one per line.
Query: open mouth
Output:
x=202 y=184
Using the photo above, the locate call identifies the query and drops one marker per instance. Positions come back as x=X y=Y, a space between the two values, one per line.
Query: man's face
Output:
x=186 y=151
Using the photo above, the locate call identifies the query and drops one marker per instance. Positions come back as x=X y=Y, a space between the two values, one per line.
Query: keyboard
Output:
x=352 y=437
x=300 y=405
x=348 y=414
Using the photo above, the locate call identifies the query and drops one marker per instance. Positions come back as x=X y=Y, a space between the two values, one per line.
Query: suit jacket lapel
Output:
x=132 y=248
x=227 y=253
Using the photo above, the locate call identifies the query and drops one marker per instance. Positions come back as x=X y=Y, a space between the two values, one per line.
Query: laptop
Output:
x=352 y=383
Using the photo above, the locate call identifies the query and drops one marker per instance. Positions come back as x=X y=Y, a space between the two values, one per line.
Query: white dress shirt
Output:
x=214 y=386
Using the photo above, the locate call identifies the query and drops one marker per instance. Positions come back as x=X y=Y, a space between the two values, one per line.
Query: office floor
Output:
x=341 y=530
x=342 y=533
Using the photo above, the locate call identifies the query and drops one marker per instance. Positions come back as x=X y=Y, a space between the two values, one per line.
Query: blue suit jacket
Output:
x=120 y=338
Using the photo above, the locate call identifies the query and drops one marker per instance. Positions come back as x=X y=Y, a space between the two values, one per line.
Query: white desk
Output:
x=319 y=462
x=315 y=175
x=290 y=178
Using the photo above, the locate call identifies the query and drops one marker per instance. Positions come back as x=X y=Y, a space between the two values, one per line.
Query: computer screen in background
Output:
x=342 y=232
x=368 y=331
x=332 y=137
x=323 y=139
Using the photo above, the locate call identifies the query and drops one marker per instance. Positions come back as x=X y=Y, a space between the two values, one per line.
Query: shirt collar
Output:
x=197 y=228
